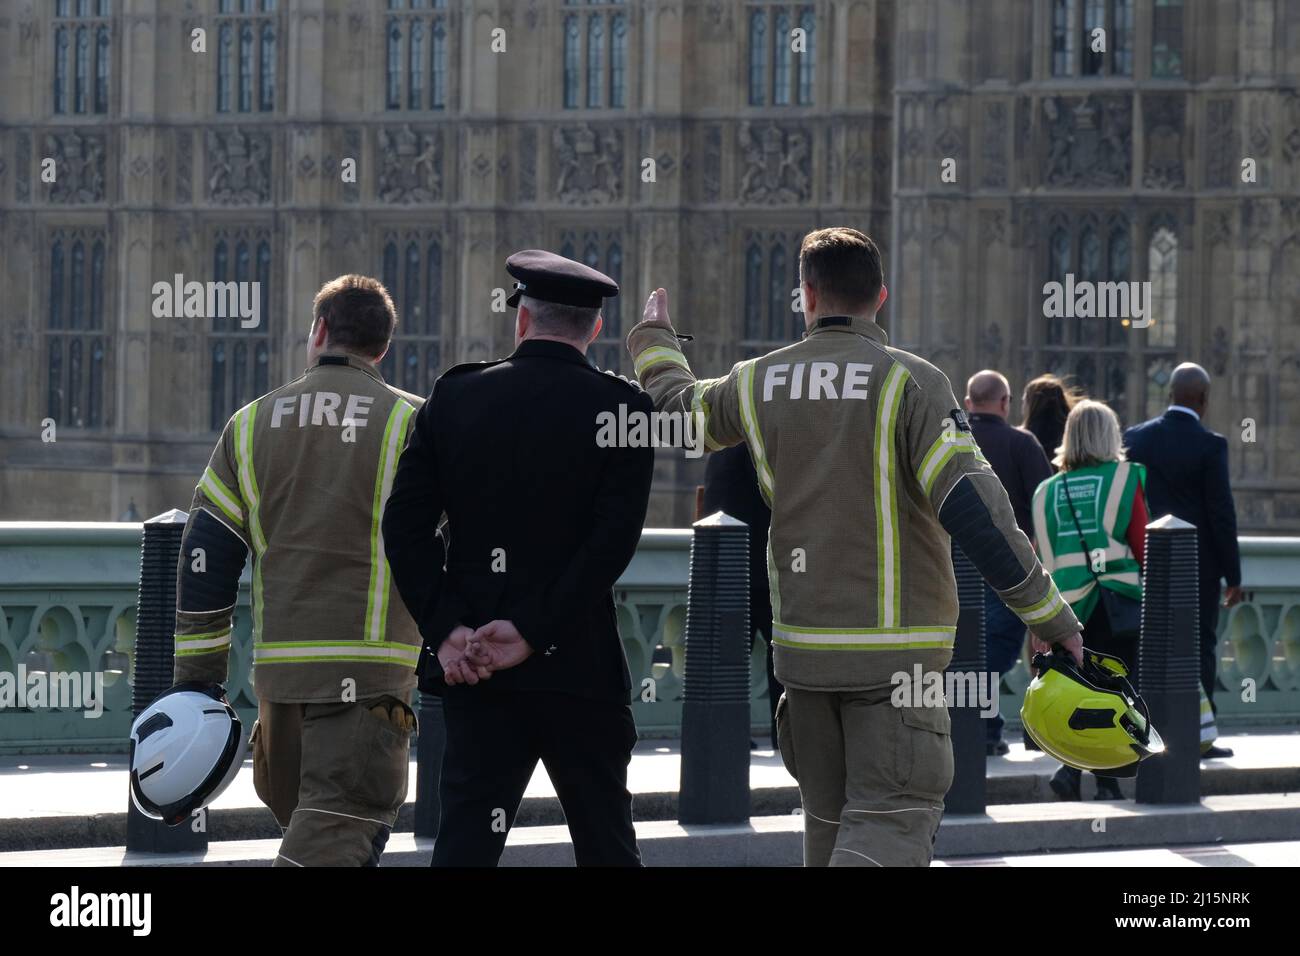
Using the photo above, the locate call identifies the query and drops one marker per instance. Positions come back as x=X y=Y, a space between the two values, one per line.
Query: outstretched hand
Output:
x=656 y=310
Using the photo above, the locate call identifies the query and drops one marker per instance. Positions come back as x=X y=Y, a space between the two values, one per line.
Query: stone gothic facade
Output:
x=666 y=142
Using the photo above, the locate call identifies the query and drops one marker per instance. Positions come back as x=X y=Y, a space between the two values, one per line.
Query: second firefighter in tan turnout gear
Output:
x=300 y=478
x=868 y=464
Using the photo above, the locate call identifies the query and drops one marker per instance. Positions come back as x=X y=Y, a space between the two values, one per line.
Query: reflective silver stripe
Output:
x=248 y=488
x=202 y=647
x=247 y=476
x=1045 y=553
x=1122 y=577
x=1079 y=593
x=394 y=438
x=875 y=637
x=222 y=496
x=749 y=418
x=1047 y=608
x=1116 y=496
x=941 y=453
x=659 y=355
x=699 y=407
x=889 y=563
x=305 y=651
x=1077 y=559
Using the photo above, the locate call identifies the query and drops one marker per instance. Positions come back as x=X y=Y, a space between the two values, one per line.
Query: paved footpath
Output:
x=87 y=785
x=70 y=810
x=1282 y=853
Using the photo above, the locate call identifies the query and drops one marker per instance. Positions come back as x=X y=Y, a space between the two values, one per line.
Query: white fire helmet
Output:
x=186 y=748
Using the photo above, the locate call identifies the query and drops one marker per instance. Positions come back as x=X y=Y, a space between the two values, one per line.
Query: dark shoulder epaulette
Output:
x=629 y=382
x=464 y=367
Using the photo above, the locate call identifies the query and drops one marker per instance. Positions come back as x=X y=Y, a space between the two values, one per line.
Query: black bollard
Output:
x=429 y=746
x=967 y=793
x=154 y=657
x=1169 y=668
x=715 y=709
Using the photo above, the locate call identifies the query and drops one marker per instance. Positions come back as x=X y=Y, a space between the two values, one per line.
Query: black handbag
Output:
x=1125 y=613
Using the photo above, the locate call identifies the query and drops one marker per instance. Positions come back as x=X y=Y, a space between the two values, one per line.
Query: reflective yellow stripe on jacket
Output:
x=380 y=577
x=248 y=488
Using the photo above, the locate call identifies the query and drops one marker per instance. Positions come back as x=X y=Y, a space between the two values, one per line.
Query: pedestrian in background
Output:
x=1089 y=525
x=1188 y=465
x=1045 y=404
x=1020 y=464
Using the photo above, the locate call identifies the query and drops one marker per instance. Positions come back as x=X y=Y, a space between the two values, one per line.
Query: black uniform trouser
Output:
x=774 y=688
x=494 y=741
x=1209 y=594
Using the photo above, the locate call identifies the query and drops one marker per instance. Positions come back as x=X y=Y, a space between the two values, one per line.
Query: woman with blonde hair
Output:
x=1089 y=528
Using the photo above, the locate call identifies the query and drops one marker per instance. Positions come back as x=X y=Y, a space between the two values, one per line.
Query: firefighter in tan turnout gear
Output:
x=300 y=478
x=870 y=469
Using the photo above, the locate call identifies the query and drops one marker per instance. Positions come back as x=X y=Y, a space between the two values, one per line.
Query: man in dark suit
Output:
x=1021 y=465
x=543 y=515
x=731 y=485
x=1187 y=476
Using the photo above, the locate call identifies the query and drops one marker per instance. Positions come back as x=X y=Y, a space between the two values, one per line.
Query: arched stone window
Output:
x=247 y=56
x=777 y=74
x=771 y=278
x=412 y=270
x=595 y=59
x=415 y=59
x=78 y=344
x=239 y=355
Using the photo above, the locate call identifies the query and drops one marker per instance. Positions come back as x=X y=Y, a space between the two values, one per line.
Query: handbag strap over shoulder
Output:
x=1087 y=563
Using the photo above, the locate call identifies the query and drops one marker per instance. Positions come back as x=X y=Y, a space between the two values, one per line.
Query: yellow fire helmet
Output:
x=1089 y=717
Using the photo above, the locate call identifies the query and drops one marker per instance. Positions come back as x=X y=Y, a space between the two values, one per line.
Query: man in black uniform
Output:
x=541 y=521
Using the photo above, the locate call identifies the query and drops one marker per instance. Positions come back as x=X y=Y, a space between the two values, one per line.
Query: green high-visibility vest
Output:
x=1102 y=496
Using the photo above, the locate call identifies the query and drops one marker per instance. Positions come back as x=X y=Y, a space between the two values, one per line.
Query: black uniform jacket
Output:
x=1017 y=459
x=541 y=520
x=1187 y=476
x=731 y=486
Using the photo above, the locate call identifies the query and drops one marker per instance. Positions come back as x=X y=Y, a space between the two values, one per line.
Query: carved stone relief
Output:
x=239 y=167
x=587 y=164
x=777 y=164
x=1163 y=118
x=79 y=166
x=1089 y=140
x=410 y=168
x=1222 y=150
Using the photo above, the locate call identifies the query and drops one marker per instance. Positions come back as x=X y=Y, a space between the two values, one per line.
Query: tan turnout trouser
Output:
x=334 y=775
x=872 y=776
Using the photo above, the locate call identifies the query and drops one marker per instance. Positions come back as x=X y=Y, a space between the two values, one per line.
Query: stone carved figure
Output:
x=411 y=167
x=1089 y=142
x=588 y=164
x=239 y=167
x=1164 y=142
x=778 y=164
x=79 y=167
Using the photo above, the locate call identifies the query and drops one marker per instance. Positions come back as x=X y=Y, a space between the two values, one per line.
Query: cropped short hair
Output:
x=843 y=267
x=359 y=313
x=552 y=318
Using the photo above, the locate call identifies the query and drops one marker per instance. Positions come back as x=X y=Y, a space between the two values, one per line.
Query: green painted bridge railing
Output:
x=68 y=595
